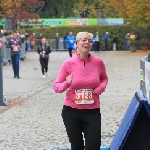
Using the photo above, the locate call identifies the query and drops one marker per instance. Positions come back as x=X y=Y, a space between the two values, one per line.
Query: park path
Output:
x=32 y=120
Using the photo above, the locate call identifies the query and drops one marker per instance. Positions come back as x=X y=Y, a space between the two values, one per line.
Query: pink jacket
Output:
x=89 y=73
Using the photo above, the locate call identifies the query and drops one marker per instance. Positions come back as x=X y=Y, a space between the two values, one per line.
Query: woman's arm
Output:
x=48 y=49
x=103 y=80
x=61 y=85
x=39 y=49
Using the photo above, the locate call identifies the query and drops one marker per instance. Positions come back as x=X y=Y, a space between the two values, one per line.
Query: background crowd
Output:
x=33 y=40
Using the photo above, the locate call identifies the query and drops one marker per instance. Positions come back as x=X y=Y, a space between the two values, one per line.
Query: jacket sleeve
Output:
x=60 y=85
x=39 y=49
x=48 y=50
x=74 y=38
x=67 y=39
x=20 y=43
x=103 y=80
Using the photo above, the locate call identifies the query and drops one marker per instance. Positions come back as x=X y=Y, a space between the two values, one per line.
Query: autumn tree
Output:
x=20 y=10
x=87 y=8
x=136 y=12
x=77 y=8
x=57 y=9
x=6 y=7
x=94 y=8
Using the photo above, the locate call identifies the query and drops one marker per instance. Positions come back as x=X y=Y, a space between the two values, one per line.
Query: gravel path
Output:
x=33 y=121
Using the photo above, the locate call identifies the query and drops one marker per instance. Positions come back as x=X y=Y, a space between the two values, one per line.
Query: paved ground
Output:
x=32 y=118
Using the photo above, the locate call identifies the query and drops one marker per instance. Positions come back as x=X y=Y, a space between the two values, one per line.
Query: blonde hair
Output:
x=81 y=35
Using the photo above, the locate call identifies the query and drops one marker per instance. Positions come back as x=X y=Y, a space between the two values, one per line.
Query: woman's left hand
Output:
x=94 y=92
x=18 y=46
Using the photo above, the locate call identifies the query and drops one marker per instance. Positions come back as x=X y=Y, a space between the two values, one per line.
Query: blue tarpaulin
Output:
x=134 y=130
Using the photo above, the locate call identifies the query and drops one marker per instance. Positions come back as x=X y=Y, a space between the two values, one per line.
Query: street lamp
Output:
x=1 y=81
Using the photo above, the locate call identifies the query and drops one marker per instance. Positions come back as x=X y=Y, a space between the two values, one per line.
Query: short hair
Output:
x=81 y=35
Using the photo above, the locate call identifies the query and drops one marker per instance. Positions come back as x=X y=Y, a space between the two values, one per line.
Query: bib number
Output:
x=84 y=96
x=15 y=48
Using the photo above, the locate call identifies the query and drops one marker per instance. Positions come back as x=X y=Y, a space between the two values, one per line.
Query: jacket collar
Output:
x=83 y=59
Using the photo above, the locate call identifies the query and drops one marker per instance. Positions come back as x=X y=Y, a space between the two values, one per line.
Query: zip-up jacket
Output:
x=105 y=37
x=14 y=42
x=70 y=41
x=88 y=73
x=45 y=48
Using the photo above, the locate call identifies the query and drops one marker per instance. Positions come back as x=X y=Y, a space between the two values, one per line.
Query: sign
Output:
x=101 y=21
x=52 y=22
x=2 y=22
x=73 y=23
x=65 y=22
x=114 y=21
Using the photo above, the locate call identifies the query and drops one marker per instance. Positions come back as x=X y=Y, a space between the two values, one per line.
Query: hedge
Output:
x=115 y=31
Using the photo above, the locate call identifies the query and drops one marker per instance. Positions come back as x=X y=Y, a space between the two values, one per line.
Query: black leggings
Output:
x=44 y=64
x=84 y=121
x=70 y=52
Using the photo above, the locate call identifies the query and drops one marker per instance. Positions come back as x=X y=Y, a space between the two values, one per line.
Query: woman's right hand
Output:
x=69 y=78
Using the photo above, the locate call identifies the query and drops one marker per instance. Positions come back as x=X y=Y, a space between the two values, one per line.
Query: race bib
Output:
x=97 y=39
x=84 y=96
x=15 y=48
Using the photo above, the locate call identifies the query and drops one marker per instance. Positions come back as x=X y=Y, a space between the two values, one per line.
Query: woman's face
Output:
x=84 y=45
x=43 y=41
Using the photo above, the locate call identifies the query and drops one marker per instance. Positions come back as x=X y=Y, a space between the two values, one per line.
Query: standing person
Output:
x=93 y=45
x=65 y=44
x=32 y=41
x=70 y=43
x=43 y=51
x=127 y=37
x=39 y=39
x=28 y=46
x=15 y=45
x=22 y=36
x=84 y=77
x=57 y=41
x=97 y=41
x=106 y=41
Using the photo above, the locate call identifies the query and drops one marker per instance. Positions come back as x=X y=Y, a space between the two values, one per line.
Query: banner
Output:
x=72 y=21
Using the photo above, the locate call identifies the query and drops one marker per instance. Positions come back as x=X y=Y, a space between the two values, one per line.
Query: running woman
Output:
x=44 y=51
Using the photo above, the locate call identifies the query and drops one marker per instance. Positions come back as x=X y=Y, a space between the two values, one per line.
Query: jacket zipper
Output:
x=84 y=69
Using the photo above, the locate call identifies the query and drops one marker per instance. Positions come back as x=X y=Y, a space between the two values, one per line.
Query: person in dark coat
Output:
x=57 y=41
x=44 y=51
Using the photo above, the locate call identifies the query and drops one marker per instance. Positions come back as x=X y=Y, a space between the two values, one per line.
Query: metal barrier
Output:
x=145 y=76
x=23 y=51
x=60 y=47
x=2 y=96
x=5 y=54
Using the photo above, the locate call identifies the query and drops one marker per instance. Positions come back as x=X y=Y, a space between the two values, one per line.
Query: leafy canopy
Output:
x=135 y=11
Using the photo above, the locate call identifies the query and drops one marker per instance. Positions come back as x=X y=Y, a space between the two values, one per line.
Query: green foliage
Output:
x=57 y=9
x=73 y=8
x=144 y=42
x=137 y=12
x=115 y=31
